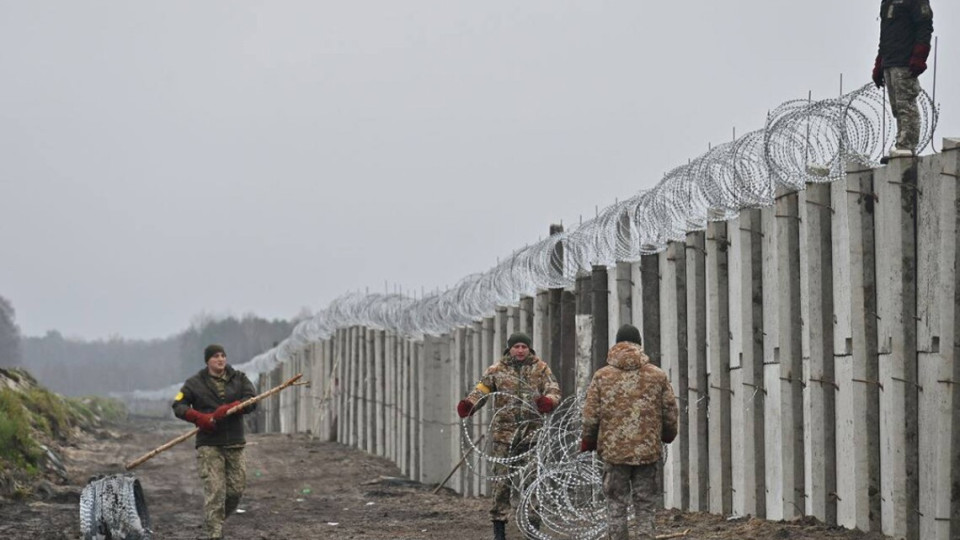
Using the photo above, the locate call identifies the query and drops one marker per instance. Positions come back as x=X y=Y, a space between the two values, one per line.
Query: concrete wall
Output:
x=811 y=345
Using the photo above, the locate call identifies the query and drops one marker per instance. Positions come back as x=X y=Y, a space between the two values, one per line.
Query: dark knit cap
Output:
x=212 y=350
x=519 y=337
x=628 y=332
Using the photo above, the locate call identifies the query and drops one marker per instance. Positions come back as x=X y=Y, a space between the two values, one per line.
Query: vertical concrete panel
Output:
x=380 y=392
x=753 y=338
x=369 y=393
x=937 y=234
x=600 y=302
x=896 y=308
x=526 y=317
x=403 y=350
x=454 y=368
x=774 y=429
x=859 y=396
x=698 y=390
x=948 y=498
x=555 y=316
x=342 y=386
x=719 y=336
x=541 y=325
x=567 y=374
x=513 y=322
x=584 y=361
x=738 y=391
x=354 y=338
x=500 y=333
x=647 y=276
x=488 y=357
x=673 y=306
x=420 y=366
x=393 y=387
x=820 y=395
x=791 y=354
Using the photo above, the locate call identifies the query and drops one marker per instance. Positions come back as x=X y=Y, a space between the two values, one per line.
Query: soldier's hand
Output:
x=204 y=421
x=544 y=404
x=878 y=71
x=588 y=445
x=221 y=411
x=464 y=408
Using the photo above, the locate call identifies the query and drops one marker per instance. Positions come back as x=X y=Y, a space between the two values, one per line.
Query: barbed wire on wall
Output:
x=803 y=141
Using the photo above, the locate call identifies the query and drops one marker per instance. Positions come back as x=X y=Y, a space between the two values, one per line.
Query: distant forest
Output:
x=77 y=367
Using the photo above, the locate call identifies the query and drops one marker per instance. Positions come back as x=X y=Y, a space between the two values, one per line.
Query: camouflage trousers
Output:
x=502 y=490
x=623 y=483
x=904 y=89
x=223 y=473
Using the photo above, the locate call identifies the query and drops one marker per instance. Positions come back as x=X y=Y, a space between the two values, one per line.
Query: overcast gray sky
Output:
x=159 y=159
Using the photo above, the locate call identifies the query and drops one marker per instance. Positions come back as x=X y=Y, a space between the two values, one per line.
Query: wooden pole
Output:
x=137 y=462
x=459 y=463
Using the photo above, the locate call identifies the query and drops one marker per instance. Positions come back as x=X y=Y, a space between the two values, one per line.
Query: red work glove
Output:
x=544 y=404
x=588 y=445
x=464 y=408
x=918 y=60
x=878 y=72
x=204 y=421
x=221 y=411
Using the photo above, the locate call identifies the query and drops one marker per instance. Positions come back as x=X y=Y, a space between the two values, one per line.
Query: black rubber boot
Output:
x=499 y=530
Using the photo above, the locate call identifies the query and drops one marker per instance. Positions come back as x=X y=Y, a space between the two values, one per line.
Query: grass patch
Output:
x=16 y=443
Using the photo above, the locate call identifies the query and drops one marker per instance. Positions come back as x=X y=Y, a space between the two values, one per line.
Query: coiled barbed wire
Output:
x=802 y=141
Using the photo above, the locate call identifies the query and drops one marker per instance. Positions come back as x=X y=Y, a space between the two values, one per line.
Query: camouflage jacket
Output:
x=526 y=381
x=630 y=407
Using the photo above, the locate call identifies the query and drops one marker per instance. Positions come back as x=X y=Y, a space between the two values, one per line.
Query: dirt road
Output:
x=300 y=488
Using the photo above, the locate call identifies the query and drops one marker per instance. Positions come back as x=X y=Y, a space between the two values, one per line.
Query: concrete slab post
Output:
x=567 y=374
x=454 y=366
x=752 y=394
x=820 y=395
x=624 y=307
x=342 y=384
x=419 y=362
x=896 y=222
x=673 y=304
x=393 y=386
x=937 y=234
x=379 y=393
x=525 y=316
x=355 y=374
x=500 y=333
x=513 y=322
x=541 y=325
x=855 y=360
x=488 y=357
x=403 y=351
x=584 y=333
x=647 y=278
x=599 y=303
x=720 y=390
x=948 y=503
x=698 y=390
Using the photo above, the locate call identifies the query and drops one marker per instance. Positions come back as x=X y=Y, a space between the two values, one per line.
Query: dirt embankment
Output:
x=299 y=488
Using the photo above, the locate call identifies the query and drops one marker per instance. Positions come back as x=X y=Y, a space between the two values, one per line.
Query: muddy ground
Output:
x=300 y=488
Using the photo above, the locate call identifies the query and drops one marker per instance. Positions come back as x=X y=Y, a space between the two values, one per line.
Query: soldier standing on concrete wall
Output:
x=629 y=409
x=905 y=30
x=525 y=386
x=204 y=400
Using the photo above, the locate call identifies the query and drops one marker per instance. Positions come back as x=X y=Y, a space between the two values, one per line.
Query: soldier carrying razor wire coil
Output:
x=525 y=386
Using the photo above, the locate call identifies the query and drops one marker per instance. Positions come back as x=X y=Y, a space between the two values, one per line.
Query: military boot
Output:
x=499 y=530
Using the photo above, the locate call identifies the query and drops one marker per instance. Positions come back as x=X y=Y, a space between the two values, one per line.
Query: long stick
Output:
x=459 y=463
x=194 y=431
